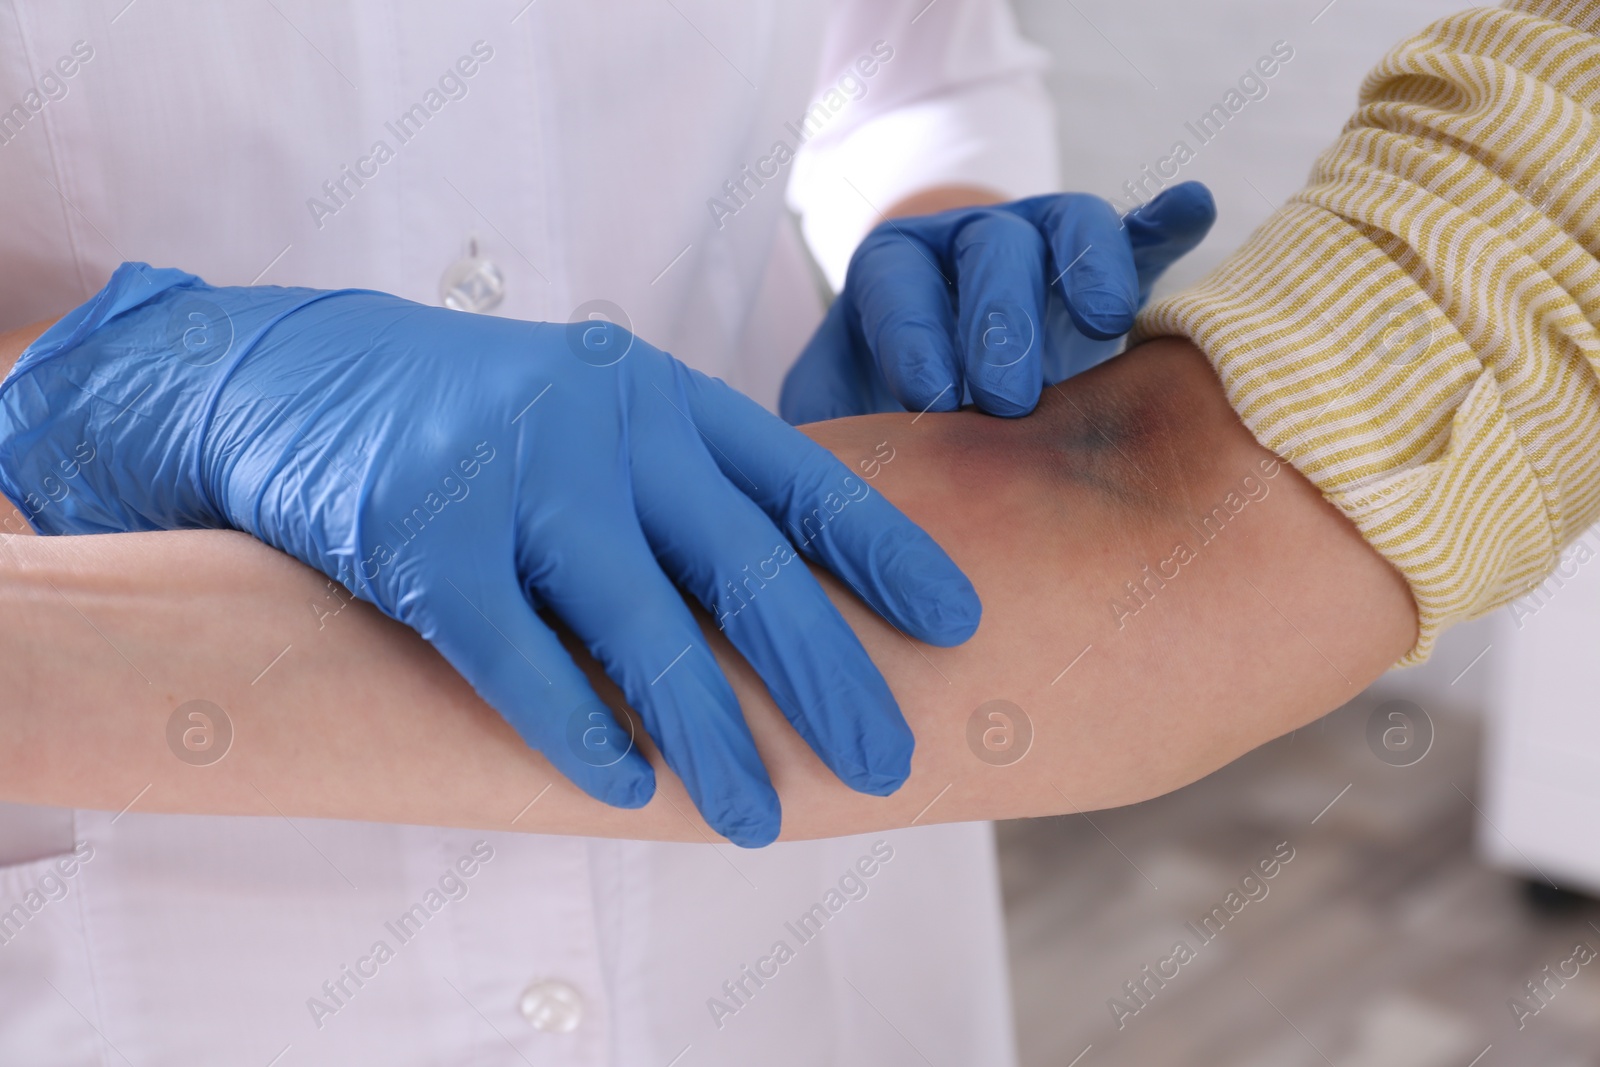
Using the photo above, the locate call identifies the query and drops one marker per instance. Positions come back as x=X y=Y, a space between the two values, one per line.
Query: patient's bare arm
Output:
x=1160 y=595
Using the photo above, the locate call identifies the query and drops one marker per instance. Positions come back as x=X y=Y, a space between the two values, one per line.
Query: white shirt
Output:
x=595 y=151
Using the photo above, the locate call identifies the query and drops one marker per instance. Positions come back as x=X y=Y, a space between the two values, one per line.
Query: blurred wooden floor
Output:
x=1383 y=943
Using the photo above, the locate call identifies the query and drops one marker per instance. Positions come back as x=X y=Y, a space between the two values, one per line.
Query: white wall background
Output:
x=1129 y=74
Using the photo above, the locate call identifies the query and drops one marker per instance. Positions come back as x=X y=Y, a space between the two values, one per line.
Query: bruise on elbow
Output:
x=1140 y=431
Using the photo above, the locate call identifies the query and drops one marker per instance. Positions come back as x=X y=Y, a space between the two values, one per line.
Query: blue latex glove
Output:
x=988 y=303
x=460 y=471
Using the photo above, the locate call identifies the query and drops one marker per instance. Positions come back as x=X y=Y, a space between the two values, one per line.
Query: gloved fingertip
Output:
x=925 y=396
x=1184 y=212
x=880 y=783
x=630 y=789
x=757 y=837
x=920 y=368
x=1104 y=314
x=935 y=602
x=705 y=739
x=874 y=756
x=1005 y=404
x=952 y=615
x=755 y=827
x=1194 y=199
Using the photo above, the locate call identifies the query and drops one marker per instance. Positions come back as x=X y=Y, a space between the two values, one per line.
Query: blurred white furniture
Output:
x=1541 y=790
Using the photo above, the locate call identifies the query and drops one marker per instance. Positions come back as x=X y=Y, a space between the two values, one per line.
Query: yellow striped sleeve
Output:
x=1416 y=331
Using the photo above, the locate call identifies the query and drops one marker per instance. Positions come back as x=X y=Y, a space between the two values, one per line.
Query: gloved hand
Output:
x=989 y=303
x=459 y=471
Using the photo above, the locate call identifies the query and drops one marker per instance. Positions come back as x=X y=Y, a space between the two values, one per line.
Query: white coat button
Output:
x=552 y=1006
x=472 y=283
